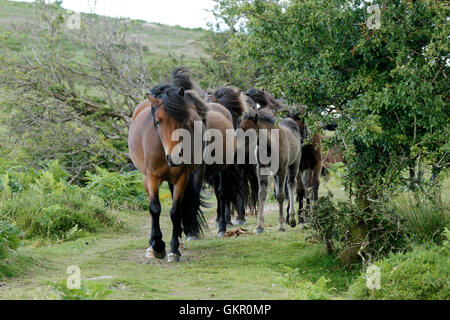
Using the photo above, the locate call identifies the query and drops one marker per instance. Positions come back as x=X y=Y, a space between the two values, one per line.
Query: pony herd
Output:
x=181 y=104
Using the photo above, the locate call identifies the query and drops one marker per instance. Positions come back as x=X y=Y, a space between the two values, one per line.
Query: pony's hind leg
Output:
x=279 y=187
x=291 y=183
x=316 y=181
x=262 y=194
x=157 y=246
x=240 y=219
x=227 y=214
x=300 y=197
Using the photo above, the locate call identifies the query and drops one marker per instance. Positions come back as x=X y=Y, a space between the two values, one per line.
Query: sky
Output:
x=185 y=13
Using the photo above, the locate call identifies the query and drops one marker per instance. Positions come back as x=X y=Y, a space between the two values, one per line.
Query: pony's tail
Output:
x=250 y=177
x=192 y=216
x=235 y=189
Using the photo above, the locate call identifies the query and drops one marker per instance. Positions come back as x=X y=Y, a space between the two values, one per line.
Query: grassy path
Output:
x=246 y=267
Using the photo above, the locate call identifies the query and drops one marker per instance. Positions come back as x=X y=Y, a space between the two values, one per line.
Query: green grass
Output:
x=246 y=267
x=422 y=274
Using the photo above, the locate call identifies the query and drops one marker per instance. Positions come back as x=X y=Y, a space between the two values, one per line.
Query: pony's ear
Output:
x=153 y=111
x=181 y=92
x=154 y=101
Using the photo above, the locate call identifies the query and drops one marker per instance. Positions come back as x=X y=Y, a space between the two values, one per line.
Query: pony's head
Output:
x=263 y=100
x=258 y=96
x=297 y=113
x=171 y=111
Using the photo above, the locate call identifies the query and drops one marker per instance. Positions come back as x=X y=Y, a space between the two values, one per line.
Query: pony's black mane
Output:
x=230 y=99
x=199 y=103
x=174 y=104
x=182 y=79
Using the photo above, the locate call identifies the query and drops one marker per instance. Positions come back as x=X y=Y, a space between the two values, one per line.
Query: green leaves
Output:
x=389 y=84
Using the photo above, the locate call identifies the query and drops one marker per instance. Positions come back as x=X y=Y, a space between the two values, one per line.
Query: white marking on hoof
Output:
x=221 y=234
x=192 y=238
x=173 y=257
x=152 y=254
x=239 y=222
x=149 y=253
x=259 y=230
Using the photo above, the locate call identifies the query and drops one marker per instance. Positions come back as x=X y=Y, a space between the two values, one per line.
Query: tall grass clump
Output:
x=53 y=209
x=424 y=218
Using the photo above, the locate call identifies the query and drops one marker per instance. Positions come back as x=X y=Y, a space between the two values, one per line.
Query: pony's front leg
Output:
x=157 y=247
x=262 y=194
x=175 y=216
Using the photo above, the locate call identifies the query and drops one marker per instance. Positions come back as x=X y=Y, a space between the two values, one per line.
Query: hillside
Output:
x=158 y=39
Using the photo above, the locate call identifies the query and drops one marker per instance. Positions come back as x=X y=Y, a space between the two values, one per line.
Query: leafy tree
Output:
x=389 y=84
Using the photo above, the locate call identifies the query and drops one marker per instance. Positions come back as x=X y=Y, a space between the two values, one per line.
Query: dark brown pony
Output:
x=150 y=151
x=237 y=104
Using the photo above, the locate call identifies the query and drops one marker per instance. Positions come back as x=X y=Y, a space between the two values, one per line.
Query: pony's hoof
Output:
x=173 y=257
x=229 y=225
x=151 y=254
x=301 y=220
x=259 y=230
x=191 y=238
x=282 y=229
x=221 y=234
x=239 y=222
x=293 y=224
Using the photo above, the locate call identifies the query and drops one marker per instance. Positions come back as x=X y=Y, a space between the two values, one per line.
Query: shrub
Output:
x=359 y=235
x=117 y=189
x=424 y=218
x=422 y=273
x=53 y=209
x=9 y=238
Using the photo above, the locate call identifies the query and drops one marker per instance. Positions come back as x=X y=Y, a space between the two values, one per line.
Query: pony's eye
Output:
x=157 y=122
